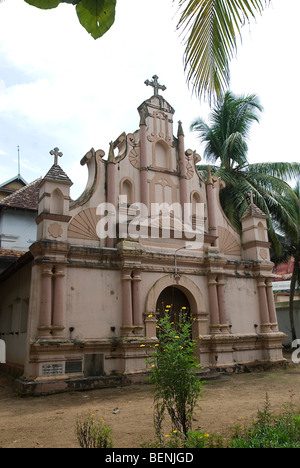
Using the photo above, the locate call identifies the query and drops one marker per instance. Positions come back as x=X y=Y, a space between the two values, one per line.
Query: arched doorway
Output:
x=172 y=300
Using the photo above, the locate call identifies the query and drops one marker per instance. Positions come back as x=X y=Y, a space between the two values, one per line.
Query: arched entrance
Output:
x=192 y=296
x=173 y=300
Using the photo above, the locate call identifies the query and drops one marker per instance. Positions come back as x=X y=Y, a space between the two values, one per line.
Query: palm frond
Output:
x=283 y=170
x=210 y=29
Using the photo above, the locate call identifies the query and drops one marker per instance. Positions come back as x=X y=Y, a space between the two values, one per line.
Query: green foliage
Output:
x=270 y=431
x=44 y=4
x=193 y=439
x=225 y=138
x=211 y=29
x=92 y=433
x=96 y=16
x=174 y=374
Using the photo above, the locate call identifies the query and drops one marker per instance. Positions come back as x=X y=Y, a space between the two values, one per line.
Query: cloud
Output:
x=59 y=87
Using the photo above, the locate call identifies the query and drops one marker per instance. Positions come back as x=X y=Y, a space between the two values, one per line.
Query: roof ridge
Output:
x=18 y=177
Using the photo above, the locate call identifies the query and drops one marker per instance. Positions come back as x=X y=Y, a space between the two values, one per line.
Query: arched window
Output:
x=127 y=190
x=195 y=199
x=162 y=157
x=57 y=202
x=261 y=232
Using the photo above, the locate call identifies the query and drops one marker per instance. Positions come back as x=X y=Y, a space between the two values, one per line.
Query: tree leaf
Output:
x=44 y=4
x=211 y=29
x=96 y=16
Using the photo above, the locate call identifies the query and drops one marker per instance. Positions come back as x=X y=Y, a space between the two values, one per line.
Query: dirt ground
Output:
x=49 y=421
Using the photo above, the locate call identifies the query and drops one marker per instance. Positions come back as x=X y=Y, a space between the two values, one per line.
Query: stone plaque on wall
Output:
x=52 y=369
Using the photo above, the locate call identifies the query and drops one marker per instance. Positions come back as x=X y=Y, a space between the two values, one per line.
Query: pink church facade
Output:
x=104 y=267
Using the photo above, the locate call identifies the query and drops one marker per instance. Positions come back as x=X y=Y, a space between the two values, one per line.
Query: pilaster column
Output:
x=182 y=168
x=126 y=299
x=111 y=185
x=211 y=210
x=46 y=302
x=271 y=305
x=136 y=299
x=213 y=303
x=221 y=304
x=263 y=305
x=58 y=319
x=143 y=162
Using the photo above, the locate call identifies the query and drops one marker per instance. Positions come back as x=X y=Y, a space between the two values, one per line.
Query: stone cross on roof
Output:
x=155 y=85
x=56 y=153
x=251 y=195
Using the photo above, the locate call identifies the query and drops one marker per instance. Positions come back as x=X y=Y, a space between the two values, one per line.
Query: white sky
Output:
x=59 y=87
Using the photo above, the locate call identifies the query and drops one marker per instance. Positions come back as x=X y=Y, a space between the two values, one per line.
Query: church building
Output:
x=147 y=235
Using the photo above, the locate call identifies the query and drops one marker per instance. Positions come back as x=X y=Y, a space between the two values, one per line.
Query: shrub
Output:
x=193 y=440
x=174 y=375
x=92 y=433
x=270 y=431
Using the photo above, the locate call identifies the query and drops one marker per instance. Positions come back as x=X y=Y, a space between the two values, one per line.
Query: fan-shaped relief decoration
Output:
x=228 y=243
x=189 y=171
x=191 y=157
x=134 y=157
x=83 y=226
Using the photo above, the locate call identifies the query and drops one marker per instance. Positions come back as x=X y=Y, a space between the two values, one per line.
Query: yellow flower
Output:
x=101 y=419
x=168 y=307
x=176 y=336
x=149 y=316
x=156 y=345
x=183 y=308
x=142 y=346
x=200 y=337
x=153 y=365
x=206 y=435
x=175 y=432
x=167 y=435
x=157 y=326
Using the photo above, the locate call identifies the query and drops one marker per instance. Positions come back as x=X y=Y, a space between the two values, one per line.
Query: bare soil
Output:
x=49 y=421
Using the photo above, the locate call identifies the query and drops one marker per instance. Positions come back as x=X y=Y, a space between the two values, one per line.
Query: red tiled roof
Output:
x=284 y=271
x=11 y=253
x=26 y=198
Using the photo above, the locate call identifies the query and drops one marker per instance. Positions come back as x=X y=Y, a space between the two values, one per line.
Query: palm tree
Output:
x=294 y=250
x=211 y=29
x=225 y=139
x=290 y=242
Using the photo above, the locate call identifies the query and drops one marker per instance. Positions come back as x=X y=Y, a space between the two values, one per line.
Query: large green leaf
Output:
x=44 y=4
x=48 y=4
x=96 y=16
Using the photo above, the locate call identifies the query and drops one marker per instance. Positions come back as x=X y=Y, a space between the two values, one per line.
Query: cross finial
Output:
x=155 y=85
x=56 y=153
x=251 y=195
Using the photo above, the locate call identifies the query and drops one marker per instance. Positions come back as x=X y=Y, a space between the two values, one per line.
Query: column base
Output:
x=132 y=330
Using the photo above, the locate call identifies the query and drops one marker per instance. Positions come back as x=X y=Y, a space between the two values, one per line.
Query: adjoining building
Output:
x=11 y=186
